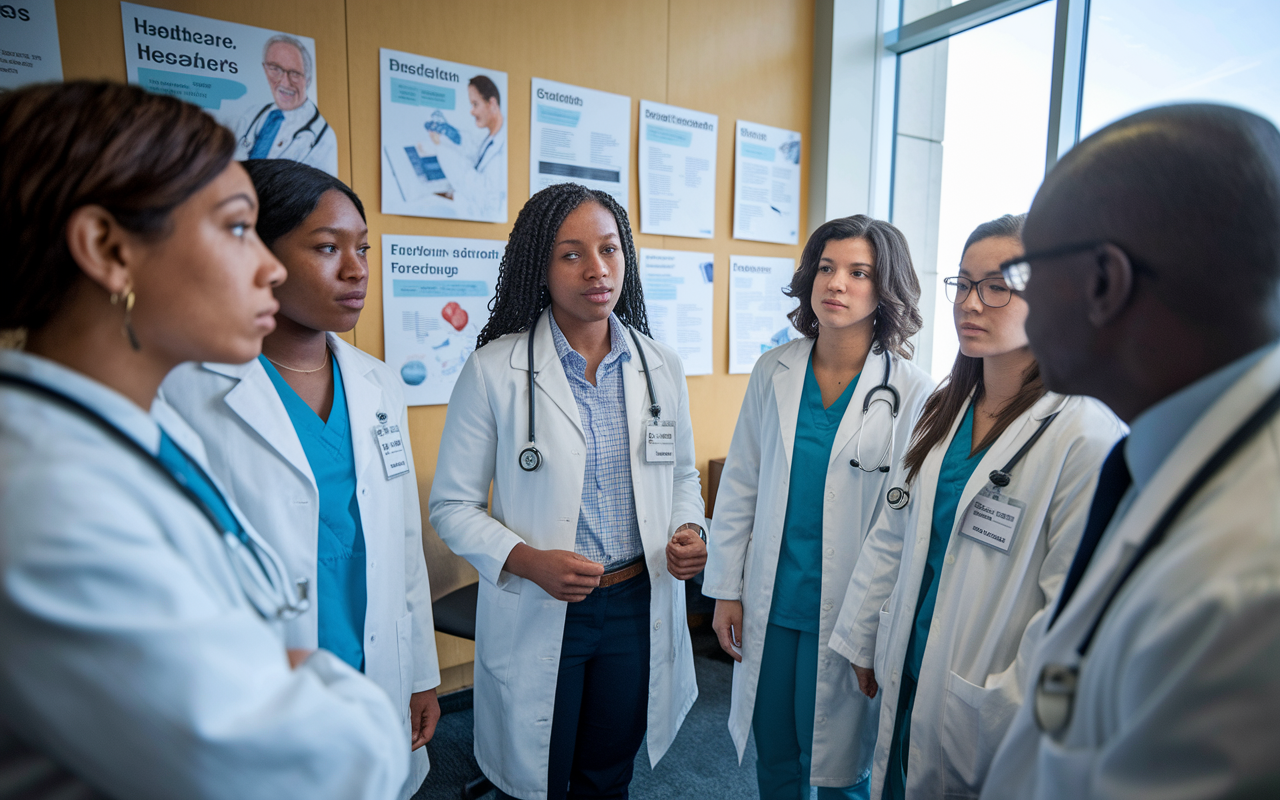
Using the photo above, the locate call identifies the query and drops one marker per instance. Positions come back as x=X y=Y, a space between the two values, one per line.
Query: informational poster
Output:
x=677 y=171
x=29 y=51
x=758 y=309
x=679 y=298
x=444 y=139
x=766 y=184
x=435 y=299
x=259 y=83
x=579 y=135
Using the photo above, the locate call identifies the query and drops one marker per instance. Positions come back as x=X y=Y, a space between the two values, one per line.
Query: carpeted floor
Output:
x=702 y=763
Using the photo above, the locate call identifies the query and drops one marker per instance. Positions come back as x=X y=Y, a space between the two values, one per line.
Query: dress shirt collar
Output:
x=618 y=347
x=1158 y=430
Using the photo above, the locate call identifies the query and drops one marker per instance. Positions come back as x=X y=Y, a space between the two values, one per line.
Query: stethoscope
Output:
x=1056 y=688
x=260 y=572
x=893 y=402
x=898 y=496
x=530 y=458
x=315 y=137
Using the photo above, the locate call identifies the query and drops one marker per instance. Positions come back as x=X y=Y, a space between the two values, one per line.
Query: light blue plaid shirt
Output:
x=607 y=529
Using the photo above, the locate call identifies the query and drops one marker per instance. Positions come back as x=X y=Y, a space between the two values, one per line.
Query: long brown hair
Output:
x=897 y=315
x=944 y=405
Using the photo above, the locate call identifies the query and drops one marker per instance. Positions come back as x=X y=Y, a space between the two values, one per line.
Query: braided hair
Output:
x=522 y=291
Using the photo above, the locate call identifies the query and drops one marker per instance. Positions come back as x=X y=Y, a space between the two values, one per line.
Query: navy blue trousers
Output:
x=602 y=694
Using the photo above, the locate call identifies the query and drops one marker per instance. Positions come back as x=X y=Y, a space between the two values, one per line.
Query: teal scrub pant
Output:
x=783 y=719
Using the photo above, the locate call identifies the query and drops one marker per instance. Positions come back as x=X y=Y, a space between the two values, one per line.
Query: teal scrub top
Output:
x=797 y=588
x=341 y=590
x=957 y=468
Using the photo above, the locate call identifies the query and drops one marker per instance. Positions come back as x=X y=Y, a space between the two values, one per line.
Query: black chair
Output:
x=455 y=614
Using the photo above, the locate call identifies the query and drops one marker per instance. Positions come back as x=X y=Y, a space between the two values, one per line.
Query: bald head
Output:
x=1187 y=200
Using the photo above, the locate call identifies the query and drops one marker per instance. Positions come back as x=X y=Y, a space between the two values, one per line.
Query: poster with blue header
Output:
x=444 y=138
x=259 y=83
x=435 y=299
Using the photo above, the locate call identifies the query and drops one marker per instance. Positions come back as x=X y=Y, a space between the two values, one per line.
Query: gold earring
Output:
x=127 y=327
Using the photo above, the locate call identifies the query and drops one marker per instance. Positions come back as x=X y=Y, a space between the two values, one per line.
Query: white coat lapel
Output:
x=1004 y=448
x=548 y=373
x=788 y=386
x=636 y=390
x=872 y=374
x=255 y=400
x=364 y=402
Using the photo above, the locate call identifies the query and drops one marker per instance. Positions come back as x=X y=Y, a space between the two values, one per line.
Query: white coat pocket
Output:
x=497 y=615
x=883 y=632
x=974 y=722
x=404 y=651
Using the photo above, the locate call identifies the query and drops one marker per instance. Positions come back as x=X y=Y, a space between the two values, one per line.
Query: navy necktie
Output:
x=262 y=144
x=1113 y=482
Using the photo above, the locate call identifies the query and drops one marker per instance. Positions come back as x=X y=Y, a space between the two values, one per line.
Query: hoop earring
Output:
x=127 y=326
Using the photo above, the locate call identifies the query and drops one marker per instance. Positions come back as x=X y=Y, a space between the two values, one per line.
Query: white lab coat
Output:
x=518 y=625
x=304 y=136
x=746 y=537
x=988 y=602
x=1180 y=694
x=478 y=175
x=255 y=452
x=130 y=655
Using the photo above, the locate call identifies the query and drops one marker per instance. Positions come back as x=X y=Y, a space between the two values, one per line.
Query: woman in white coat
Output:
x=824 y=418
x=295 y=437
x=141 y=616
x=945 y=603
x=580 y=422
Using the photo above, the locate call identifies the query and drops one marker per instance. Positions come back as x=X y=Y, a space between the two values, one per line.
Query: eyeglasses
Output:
x=1017 y=271
x=275 y=71
x=991 y=291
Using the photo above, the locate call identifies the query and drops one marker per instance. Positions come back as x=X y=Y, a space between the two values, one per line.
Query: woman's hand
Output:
x=686 y=552
x=297 y=655
x=727 y=623
x=561 y=574
x=866 y=680
x=424 y=713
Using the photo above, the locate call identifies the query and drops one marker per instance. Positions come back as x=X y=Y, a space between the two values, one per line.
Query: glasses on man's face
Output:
x=1017 y=271
x=275 y=71
x=993 y=291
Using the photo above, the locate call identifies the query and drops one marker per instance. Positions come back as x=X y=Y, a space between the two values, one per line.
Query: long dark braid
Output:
x=522 y=277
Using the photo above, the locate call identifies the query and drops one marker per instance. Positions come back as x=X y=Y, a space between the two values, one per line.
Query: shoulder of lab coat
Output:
x=482 y=189
x=459 y=500
x=324 y=156
x=130 y=652
x=1179 y=688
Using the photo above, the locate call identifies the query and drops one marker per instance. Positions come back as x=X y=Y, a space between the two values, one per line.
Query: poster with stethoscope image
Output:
x=444 y=138
x=435 y=299
x=259 y=83
x=758 y=309
x=29 y=49
x=679 y=300
x=766 y=183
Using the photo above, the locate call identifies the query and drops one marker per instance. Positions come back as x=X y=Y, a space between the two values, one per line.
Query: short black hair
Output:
x=487 y=88
x=897 y=316
x=522 y=291
x=288 y=191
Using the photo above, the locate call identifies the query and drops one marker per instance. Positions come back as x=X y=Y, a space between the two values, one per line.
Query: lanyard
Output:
x=260 y=571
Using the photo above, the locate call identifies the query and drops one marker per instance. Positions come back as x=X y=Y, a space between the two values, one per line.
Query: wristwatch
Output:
x=702 y=534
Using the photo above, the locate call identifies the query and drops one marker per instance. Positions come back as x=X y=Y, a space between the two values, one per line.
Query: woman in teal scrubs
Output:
x=801 y=485
x=312 y=439
x=942 y=607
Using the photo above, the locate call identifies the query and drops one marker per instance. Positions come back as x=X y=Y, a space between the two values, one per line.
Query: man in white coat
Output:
x=477 y=166
x=290 y=126
x=1153 y=275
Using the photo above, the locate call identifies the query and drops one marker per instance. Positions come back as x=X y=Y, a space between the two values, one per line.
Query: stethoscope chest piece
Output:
x=530 y=459
x=1055 y=695
x=897 y=498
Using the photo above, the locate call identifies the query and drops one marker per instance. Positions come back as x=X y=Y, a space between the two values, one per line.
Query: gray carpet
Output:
x=701 y=763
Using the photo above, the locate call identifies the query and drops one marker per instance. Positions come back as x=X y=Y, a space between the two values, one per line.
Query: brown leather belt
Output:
x=623 y=573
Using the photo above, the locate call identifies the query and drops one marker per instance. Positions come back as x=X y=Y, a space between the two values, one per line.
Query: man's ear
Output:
x=100 y=247
x=1108 y=285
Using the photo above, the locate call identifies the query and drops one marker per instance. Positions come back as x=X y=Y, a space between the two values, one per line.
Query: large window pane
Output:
x=1148 y=52
x=973 y=115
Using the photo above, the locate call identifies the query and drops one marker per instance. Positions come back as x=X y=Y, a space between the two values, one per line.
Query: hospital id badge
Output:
x=660 y=441
x=391 y=444
x=992 y=519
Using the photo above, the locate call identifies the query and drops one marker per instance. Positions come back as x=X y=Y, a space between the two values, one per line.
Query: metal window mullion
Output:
x=950 y=21
x=1067 y=88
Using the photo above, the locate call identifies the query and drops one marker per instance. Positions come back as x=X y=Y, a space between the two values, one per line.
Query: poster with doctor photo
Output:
x=259 y=83
x=444 y=139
